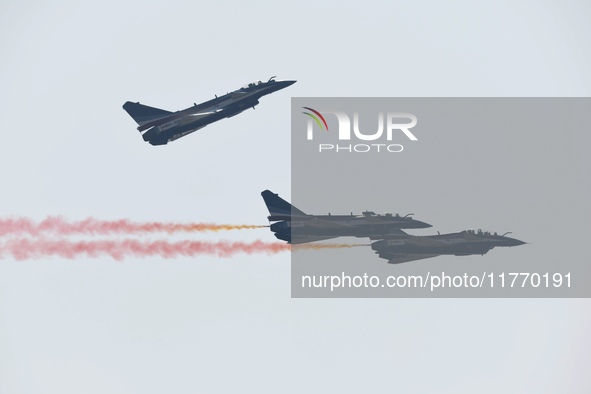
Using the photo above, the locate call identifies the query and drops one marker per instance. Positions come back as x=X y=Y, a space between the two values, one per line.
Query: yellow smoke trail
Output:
x=215 y=227
x=312 y=246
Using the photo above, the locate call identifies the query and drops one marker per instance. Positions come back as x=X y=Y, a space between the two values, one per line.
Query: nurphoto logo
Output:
x=391 y=123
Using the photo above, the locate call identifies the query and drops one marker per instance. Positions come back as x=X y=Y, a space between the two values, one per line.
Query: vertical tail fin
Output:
x=279 y=208
x=142 y=113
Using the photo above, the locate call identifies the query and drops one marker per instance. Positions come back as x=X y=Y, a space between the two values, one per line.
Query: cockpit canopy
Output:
x=252 y=84
x=479 y=232
x=257 y=83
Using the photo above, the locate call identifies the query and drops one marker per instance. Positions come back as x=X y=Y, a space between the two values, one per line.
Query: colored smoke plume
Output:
x=59 y=226
x=25 y=248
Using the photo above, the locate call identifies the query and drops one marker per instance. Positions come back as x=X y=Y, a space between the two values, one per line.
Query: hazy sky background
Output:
x=220 y=325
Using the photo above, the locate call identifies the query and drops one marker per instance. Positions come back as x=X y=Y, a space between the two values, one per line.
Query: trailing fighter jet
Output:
x=296 y=227
x=160 y=127
x=403 y=248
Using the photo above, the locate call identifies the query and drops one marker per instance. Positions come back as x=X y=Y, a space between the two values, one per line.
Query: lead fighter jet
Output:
x=297 y=227
x=403 y=248
x=159 y=126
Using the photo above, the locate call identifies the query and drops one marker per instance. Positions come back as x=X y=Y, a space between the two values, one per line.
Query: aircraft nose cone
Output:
x=274 y=86
x=419 y=224
x=514 y=242
x=284 y=84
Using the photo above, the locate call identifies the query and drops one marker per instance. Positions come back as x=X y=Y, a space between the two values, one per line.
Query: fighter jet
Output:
x=296 y=227
x=160 y=127
x=403 y=248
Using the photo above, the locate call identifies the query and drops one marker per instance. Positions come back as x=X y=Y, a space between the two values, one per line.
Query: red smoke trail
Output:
x=25 y=248
x=60 y=226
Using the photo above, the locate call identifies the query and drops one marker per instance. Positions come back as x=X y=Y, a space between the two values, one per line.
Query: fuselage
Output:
x=331 y=226
x=174 y=125
x=460 y=244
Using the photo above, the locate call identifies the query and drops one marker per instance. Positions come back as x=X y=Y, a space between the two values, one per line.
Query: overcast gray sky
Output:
x=220 y=325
